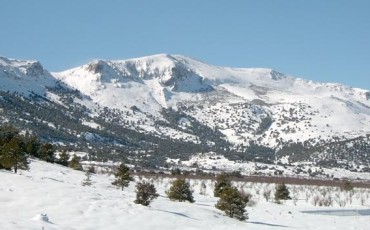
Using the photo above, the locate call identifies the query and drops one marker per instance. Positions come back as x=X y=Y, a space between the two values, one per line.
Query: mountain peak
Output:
x=97 y=66
x=276 y=75
x=22 y=67
x=24 y=76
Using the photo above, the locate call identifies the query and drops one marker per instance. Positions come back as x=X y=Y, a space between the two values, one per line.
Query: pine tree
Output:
x=233 y=203
x=180 y=191
x=222 y=182
x=7 y=133
x=281 y=193
x=13 y=155
x=145 y=193
x=46 y=152
x=32 y=144
x=63 y=158
x=75 y=163
x=123 y=176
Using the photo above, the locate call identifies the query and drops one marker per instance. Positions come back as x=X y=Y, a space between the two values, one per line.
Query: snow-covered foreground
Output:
x=57 y=192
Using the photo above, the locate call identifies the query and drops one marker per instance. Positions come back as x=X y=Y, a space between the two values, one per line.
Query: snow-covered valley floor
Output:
x=57 y=192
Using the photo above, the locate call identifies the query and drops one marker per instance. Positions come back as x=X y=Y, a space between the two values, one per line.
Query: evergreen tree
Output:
x=145 y=193
x=63 y=158
x=7 y=133
x=13 y=155
x=347 y=186
x=180 y=191
x=32 y=144
x=222 y=182
x=233 y=203
x=46 y=152
x=75 y=163
x=281 y=192
x=123 y=176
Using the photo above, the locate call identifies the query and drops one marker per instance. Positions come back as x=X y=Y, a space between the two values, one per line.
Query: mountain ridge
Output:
x=187 y=102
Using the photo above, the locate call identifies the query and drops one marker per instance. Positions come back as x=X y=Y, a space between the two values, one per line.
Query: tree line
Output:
x=17 y=147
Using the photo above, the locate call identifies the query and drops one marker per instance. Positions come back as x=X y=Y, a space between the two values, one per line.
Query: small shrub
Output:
x=362 y=200
x=326 y=201
x=87 y=181
x=91 y=169
x=145 y=193
x=347 y=186
x=203 y=188
x=75 y=163
x=281 y=193
x=267 y=194
x=316 y=200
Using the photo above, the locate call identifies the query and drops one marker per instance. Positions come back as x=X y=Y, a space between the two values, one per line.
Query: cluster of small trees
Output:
x=64 y=159
x=232 y=201
x=15 y=148
x=146 y=191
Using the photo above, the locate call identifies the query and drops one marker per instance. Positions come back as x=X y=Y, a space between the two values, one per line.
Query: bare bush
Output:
x=316 y=200
x=267 y=194
x=203 y=188
x=342 y=202
x=326 y=201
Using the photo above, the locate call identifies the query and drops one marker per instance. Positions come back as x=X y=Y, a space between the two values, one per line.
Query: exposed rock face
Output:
x=276 y=75
x=35 y=69
x=97 y=66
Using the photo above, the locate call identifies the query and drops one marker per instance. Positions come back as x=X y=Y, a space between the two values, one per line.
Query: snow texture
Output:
x=52 y=197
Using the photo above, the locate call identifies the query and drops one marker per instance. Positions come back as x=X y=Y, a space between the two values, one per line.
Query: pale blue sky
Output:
x=320 y=40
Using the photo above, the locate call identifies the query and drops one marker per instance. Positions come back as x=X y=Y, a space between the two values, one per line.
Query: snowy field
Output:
x=52 y=197
x=210 y=161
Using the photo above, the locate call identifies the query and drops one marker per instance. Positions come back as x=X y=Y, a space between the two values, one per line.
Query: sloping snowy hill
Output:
x=52 y=197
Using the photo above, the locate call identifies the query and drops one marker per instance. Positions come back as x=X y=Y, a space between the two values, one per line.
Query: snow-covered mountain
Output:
x=172 y=97
x=298 y=109
x=24 y=77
